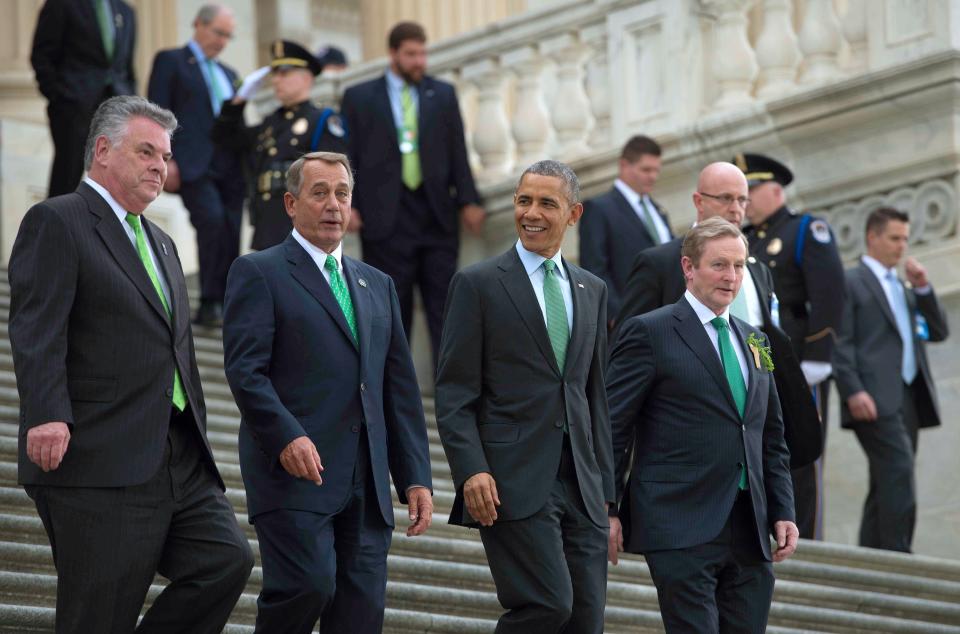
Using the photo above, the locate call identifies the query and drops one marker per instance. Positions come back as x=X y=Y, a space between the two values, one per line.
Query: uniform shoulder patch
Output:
x=820 y=231
x=335 y=126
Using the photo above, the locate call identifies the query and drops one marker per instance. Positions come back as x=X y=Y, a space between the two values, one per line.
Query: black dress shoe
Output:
x=210 y=314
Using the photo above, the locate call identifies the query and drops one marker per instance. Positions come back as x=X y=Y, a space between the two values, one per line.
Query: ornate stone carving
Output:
x=778 y=54
x=734 y=64
x=491 y=132
x=531 y=121
x=820 y=40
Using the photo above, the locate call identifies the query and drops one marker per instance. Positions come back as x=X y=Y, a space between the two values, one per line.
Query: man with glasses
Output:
x=193 y=83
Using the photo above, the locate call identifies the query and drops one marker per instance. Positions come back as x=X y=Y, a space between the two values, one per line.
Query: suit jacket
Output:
x=376 y=159
x=93 y=345
x=68 y=57
x=502 y=400
x=670 y=402
x=611 y=236
x=295 y=370
x=176 y=83
x=868 y=354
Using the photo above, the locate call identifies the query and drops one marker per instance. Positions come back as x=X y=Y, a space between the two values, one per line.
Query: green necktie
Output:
x=215 y=95
x=412 y=177
x=340 y=291
x=647 y=218
x=106 y=30
x=179 y=394
x=557 y=327
x=731 y=367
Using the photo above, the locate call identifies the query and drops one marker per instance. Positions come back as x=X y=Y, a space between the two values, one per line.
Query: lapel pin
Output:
x=362 y=282
x=163 y=245
x=579 y=284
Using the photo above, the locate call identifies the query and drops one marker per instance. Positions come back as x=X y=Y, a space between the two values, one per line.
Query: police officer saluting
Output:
x=293 y=129
x=807 y=276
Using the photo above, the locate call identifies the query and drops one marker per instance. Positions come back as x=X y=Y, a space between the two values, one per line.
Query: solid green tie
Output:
x=216 y=95
x=412 y=177
x=179 y=394
x=647 y=218
x=340 y=291
x=731 y=367
x=106 y=30
x=557 y=327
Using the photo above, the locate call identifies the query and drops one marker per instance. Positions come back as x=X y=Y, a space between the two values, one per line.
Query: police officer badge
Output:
x=820 y=231
x=335 y=126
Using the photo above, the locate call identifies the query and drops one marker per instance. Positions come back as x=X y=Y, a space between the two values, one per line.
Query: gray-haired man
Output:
x=113 y=448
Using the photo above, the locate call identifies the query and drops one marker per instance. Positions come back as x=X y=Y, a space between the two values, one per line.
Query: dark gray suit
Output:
x=137 y=491
x=502 y=403
x=868 y=357
x=670 y=404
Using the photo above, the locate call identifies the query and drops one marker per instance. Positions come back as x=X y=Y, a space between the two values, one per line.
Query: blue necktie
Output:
x=908 y=366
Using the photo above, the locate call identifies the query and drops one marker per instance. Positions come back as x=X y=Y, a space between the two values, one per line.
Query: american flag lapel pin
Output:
x=362 y=282
x=163 y=245
x=579 y=284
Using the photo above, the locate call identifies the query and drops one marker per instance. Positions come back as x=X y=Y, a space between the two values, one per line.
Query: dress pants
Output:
x=550 y=569
x=215 y=204
x=109 y=542
x=419 y=252
x=69 y=125
x=331 y=567
x=890 y=510
x=725 y=585
x=806 y=498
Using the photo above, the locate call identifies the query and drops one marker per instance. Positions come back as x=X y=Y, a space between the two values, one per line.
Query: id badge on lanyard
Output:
x=407 y=138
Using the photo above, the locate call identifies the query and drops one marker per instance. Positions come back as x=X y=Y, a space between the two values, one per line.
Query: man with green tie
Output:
x=113 y=447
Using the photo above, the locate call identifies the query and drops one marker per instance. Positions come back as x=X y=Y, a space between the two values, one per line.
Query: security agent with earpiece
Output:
x=801 y=252
x=293 y=129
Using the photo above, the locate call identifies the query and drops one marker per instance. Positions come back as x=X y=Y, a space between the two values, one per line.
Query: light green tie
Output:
x=731 y=367
x=216 y=96
x=340 y=291
x=106 y=30
x=179 y=394
x=557 y=327
x=647 y=218
x=412 y=176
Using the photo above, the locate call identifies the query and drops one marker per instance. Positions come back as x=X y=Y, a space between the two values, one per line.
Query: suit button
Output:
x=355 y=429
x=169 y=392
x=558 y=424
x=363 y=387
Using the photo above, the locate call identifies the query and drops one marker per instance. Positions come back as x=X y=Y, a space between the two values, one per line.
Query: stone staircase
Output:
x=440 y=582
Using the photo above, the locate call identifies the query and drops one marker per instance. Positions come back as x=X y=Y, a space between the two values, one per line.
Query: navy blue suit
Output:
x=295 y=370
x=411 y=235
x=211 y=177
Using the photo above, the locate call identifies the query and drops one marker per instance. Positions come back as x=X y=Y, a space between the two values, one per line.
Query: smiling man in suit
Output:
x=82 y=54
x=694 y=405
x=883 y=376
x=413 y=176
x=522 y=415
x=113 y=447
x=193 y=83
x=317 y=359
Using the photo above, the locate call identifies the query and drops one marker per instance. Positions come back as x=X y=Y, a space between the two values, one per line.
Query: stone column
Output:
x=777 y=52
x=571 y=108
x=491 y=134
x=820 y=41
x=734 y=64
x=531 y=121
x=855 y=32
x=598 y=83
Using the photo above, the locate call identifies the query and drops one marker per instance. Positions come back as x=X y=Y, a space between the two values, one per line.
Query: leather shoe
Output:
x=210 y=314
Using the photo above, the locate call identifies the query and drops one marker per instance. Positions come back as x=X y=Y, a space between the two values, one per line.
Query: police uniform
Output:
x=271 y=147
x=801 y=252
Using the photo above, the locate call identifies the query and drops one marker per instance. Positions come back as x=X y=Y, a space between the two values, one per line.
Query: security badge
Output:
x=775 y=246
x=820 y=231
x=408 y=141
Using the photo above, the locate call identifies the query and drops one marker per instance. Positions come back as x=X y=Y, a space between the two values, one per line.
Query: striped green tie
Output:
x=731 y=367
x=557 y=326
x=340 y=291
x=179 y=394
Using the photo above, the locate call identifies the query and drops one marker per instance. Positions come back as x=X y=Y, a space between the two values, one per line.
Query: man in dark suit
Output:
x=624 y=221
x=657 y=280
x=413 y=178
x=82 y=54
x=883 y=376
x=193 y=83
x=693 y=402
x=317 y=359
x=522 y=415
x=113 y=446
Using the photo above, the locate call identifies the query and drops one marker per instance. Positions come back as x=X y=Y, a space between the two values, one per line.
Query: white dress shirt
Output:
x=749 y=290
x=643 y=207
x=706 y=316
x=319 y=256
x=532 y=263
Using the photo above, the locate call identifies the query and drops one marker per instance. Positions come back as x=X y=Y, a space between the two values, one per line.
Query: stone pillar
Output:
x=18 y=90
x=855 y=32
x=820 y=41
x=571 y=107
x=491 y=134
x=776 y=50
x=531 y=121
x=734 y=64
x=598 y=84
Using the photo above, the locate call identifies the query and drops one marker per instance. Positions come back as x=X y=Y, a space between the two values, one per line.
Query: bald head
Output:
x=721 y=191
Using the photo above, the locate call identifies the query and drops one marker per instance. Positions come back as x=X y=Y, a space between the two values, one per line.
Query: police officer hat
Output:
x=332 y=56
x=287 y=54
x=762 y=169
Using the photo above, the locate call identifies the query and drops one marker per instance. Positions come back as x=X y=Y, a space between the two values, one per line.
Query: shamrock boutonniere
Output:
x=761 y=352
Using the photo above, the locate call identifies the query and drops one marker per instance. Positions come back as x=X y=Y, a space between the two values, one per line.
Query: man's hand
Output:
x=356 y=221
x=47 y=444
x=480 y=496
x=615 y=541
x=420 y=504
x=172 y=184
x=473 y=217
x=862 y=407
x=786 y=534
x=916 y=273
x=301 y=460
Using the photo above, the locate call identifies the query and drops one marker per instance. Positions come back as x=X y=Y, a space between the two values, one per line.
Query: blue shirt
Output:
x=533 y=264
x=223 y=82
x=395 y=85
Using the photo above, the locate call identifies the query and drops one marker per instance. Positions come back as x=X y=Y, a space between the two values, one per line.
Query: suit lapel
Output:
x=164 y=254
x=362 y=309
x=308 y=274
x=578 y=338
x=629 y=215
x=873 y=284
x=386 y=110
x=740 y=328
x=695 y=336
x=516 y=283
x=196 y=77
x=425 y=114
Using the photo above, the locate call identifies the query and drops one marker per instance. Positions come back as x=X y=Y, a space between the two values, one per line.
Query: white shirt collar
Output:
x=628 y=192
x=319 y=255
x=878 y=269
x=114 y=205
x=197 y=51
x=704 y=314
x=532 y=261
x=395 y=81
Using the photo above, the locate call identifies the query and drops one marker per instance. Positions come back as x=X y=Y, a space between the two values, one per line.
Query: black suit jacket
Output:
x=670 y=402
x=611 y=236
x=502 y=400
x=295 y=370
x=68 y=57
x=868 y=353
x=176 y=83
x=657 y=280
x=93 y=345
x=376 y=159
